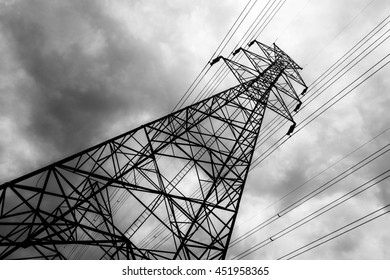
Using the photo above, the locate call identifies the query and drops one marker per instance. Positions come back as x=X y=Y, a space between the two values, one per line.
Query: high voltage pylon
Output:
x=169 y=189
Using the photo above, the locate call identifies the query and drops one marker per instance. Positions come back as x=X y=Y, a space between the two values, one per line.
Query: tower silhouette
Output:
x=169 y=189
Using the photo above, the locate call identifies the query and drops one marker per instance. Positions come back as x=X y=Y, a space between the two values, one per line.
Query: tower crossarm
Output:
x=274 y=67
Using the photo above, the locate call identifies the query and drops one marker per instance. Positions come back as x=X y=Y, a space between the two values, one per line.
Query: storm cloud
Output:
x=75 y=73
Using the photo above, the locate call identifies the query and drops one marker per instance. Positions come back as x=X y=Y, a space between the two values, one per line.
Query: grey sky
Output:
x=74 y=73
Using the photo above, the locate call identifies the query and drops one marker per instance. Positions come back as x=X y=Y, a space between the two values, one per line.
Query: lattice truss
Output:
x=169 y=189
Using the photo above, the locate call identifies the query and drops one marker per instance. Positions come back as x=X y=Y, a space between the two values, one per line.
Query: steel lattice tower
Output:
x=169 y=189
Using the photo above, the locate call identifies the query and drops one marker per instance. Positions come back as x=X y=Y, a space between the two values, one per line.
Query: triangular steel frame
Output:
x=169 y=189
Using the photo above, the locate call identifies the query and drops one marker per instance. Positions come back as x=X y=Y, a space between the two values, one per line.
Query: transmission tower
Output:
x=169 y=189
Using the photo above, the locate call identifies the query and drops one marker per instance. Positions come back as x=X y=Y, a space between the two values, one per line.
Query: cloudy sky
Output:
x=74 y=73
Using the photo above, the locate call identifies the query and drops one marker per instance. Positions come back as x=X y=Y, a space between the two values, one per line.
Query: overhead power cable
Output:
x=295 y=189
x=221 y=46
x=339 y=232
x=315 y=214
x=317 y=191
x=309 y=95
x=342 y=30
x=260 y=30
x=282 y=121
x=309 y=119
x=223 y=71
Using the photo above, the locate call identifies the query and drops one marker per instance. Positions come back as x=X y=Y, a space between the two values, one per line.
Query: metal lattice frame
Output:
x=169 y=189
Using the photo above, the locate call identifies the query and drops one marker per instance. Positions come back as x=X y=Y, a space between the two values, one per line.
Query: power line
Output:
x=358 y=84
x=258 y=19
x=352 y=50
x=314 y=177
x=345 y=69
x=325 y=186
x=203 y=72
x=342 y=30
x=263 y=26
x=317 y=80
x=339 y=232
x=309 y=119
x=310 y=217
x=222 y=71
x=294 y=18
x=329 y=71
x=261 y=29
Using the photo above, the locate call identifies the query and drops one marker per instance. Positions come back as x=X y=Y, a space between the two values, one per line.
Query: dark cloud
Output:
x=84 y=70
x=79 y=72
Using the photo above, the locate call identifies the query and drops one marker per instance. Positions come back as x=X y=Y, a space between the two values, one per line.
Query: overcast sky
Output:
x=74 y=73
